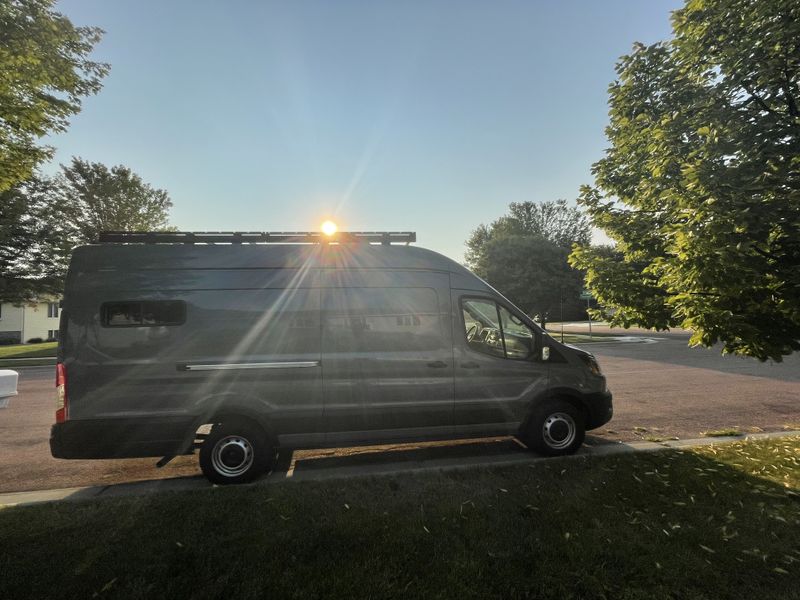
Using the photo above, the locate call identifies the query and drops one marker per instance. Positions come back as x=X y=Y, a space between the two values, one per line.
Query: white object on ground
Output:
x=8 y=386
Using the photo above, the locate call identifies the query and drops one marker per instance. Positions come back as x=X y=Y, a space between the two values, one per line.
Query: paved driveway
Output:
x=661 y=388
x=672 y=390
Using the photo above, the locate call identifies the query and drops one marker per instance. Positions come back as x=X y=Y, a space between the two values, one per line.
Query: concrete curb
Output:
x=139 y=488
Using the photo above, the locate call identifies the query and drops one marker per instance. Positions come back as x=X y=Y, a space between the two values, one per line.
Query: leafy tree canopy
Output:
x=44 y=74
x=43 y=219
x=524 y=254
x=555 y=221
x=700 y=187
x=35 y=242
x=116 y=199
x=530 y=271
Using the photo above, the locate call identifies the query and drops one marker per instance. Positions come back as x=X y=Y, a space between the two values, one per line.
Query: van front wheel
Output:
x=555 y=428
x=235 y=452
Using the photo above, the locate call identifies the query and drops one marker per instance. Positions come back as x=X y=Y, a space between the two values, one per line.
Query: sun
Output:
x=329 y=228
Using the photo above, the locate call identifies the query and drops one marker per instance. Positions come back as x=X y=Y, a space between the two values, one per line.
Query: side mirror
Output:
x=545 y=353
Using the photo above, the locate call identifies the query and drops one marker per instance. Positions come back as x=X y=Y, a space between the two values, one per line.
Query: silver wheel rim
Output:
x=232 y=456
x=559 y=430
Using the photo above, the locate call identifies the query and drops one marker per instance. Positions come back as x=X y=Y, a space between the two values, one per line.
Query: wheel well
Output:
x=205 y=424
x=557 y=395
x=576 y=402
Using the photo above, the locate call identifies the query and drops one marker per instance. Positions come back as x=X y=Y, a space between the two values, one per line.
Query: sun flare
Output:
x=329 y=228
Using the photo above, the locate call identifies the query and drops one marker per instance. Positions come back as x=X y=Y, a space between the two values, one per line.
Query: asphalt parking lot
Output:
x=662 y=389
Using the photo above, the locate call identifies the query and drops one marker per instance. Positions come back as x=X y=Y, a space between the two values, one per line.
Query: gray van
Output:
x=267 y=341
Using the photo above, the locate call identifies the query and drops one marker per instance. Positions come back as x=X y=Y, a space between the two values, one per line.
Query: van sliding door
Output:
x=387 y=363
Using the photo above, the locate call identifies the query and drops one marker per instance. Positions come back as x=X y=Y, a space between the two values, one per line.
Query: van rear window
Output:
x=143 y=313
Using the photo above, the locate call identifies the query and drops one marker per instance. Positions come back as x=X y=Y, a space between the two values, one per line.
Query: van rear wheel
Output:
x=236 y=452
x=555 y=428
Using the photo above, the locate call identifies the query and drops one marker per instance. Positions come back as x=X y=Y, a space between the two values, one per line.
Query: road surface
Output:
x=661 y=388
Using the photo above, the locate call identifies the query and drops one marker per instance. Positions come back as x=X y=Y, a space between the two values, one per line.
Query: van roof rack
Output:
x=256 y=237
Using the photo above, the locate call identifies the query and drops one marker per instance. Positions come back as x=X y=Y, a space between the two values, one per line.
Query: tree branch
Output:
x=756 y=98
x=790 y=101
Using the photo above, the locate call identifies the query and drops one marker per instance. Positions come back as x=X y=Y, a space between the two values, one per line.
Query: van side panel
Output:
x=386 y=354
x=238 y=350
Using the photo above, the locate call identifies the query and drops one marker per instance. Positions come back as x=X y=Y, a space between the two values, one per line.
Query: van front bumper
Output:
x=121 y=438
x=599 y=409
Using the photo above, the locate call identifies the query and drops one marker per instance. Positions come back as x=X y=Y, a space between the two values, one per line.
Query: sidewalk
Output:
x=140 y=488
x=554 y=328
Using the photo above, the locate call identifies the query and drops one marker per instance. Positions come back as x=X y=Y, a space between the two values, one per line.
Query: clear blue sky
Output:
x=384 y=115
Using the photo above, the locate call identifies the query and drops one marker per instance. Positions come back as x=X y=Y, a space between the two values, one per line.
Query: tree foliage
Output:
x=531 y=271
x=44 y=74
x=43 y=219
x=700 y=187
x=35 y=242
x=524 y=254
x=116 y=199
x=555 y=221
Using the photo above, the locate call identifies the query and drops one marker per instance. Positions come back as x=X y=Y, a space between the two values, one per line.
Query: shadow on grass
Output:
x=314 y=460
x=425 y=454
x=671 y=524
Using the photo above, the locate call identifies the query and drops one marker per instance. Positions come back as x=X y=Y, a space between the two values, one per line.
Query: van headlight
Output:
x=591 y=363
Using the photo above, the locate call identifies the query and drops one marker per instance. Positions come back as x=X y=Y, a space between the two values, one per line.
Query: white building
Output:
x=29 y=321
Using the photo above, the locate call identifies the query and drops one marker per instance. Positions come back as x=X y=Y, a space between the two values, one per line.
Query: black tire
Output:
x=236 y=451
x=555 y=428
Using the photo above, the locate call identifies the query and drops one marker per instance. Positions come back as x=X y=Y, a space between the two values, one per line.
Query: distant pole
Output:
x=588 y=300
x=561 y=304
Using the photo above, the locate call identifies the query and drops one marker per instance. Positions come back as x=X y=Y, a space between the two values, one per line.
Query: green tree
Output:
x=530 y=271
x=524 y=254
x=44 y=74
x=554 y=221
x=35 y=242
x=700 y=188
x=116 y=199
x=43 y=219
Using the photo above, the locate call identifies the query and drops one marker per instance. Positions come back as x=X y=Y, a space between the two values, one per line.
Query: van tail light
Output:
x=62 y=405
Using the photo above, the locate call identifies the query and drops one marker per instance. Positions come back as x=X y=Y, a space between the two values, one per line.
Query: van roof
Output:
x=136 y=257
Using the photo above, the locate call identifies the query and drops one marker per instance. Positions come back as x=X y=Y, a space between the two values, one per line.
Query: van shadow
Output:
x=374 y=459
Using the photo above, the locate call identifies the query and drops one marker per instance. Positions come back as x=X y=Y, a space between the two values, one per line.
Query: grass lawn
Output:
x=717 y=522
x=45 y=349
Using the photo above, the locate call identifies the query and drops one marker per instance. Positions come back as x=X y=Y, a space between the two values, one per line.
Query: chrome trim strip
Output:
x=267 y=365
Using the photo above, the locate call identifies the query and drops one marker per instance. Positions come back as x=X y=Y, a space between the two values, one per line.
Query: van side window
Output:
x=482 y=327
x=517 y=336
x=143 y=313
x=494 y=330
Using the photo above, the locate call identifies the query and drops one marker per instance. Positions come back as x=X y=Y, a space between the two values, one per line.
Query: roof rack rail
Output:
x=256 y=237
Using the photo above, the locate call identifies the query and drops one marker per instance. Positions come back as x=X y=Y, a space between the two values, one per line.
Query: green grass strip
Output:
x=717 y=522
x=29 y=350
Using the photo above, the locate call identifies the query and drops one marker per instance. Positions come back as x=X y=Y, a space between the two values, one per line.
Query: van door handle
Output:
x=437 y=364
x=470 y=365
